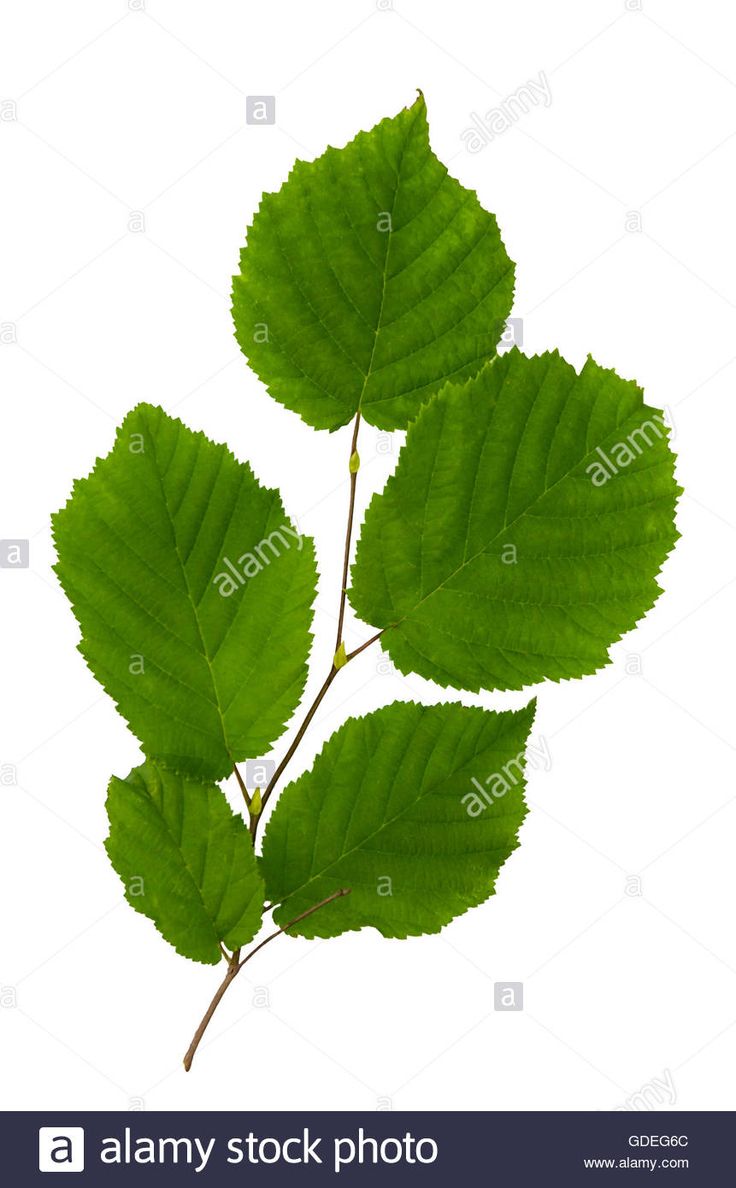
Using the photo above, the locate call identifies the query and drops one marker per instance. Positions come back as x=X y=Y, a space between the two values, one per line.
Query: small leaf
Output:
x=369 y=278
x=523 y=529
x=341 y=657
x=354 y=464
x=414 y=808
x=193 y=591
x=186 y=861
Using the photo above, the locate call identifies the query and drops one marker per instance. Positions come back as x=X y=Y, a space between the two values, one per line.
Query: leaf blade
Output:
x=186 y=861
x=492 y=559
x=370 y=277
x=385 y=800
x=204 y=673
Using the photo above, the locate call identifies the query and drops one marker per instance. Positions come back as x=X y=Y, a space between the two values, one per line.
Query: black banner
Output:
x=445 y=1149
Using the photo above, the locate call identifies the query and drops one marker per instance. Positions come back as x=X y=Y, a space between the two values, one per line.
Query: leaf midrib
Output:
x=193 y=604
x=384 y=276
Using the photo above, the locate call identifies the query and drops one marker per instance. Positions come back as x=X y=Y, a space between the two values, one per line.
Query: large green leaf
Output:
x=413 y=808
x=523 y=529
x=206 y=667
x=186 y=860
x=369 y=278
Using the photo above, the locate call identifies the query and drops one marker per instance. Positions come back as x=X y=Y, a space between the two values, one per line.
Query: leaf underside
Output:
x=384 y=812
x=522 y=532
x=204 y=678
x=186 y=861
x=370 y=278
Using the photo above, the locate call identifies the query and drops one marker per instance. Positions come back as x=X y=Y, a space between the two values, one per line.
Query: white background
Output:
x=121 y=110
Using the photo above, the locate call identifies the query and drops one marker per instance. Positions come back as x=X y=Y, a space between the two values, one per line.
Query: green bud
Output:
x=354 y=465
x=341 y=657
x=255 y=803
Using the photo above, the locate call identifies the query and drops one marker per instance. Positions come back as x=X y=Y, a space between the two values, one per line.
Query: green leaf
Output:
x=369 y=279
x=193 y=592
x=186 y=860
x=523 y=529
x=391 y=811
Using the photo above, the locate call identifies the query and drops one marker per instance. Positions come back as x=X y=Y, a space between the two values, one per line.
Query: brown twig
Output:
x=367 y=644
x=235 y=965
x=348 y=536
x=243 y=788
x=254 y=820
x=295 y=743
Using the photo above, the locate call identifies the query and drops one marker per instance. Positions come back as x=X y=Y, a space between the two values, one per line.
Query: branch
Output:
x=367 y=644
x=295 y=743
x=348 y=534
x=235 y=965
x=243 y=788
x=234 y=962
x=254 y=820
